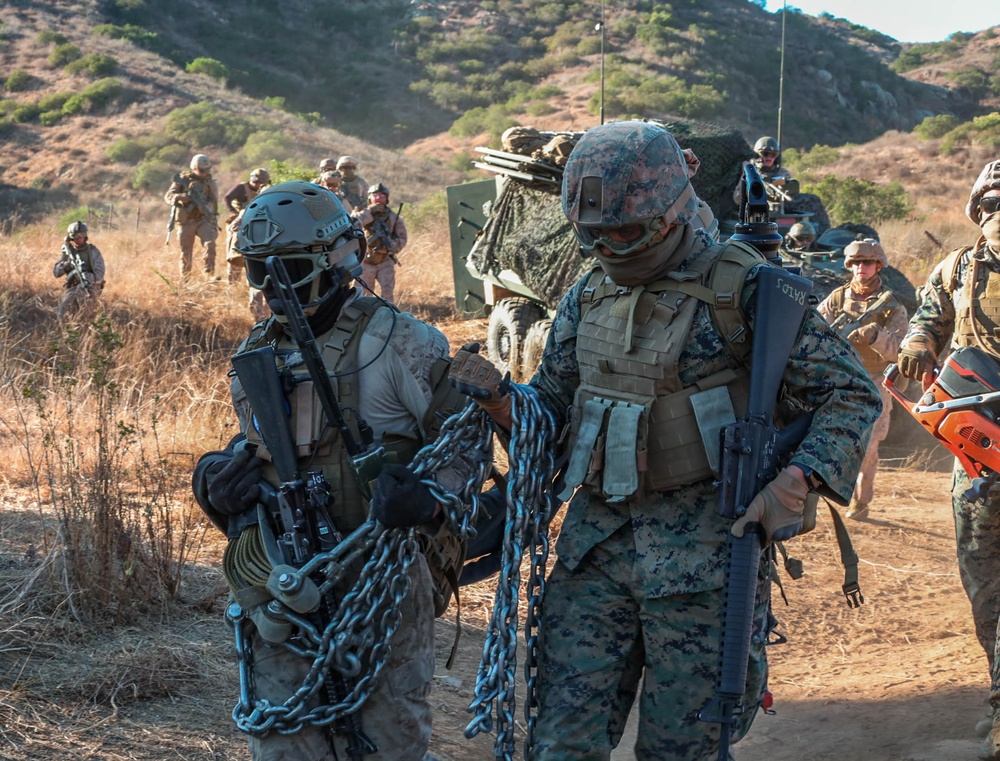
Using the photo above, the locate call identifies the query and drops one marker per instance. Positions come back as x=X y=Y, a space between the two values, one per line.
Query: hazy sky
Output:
x=906 y=20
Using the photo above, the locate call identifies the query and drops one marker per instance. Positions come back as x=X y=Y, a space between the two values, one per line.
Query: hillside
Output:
x=99 y=110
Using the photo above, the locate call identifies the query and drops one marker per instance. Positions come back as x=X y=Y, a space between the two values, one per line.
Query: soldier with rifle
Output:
x=81 y=263
x=386 y=237
x=194 y=205
x=869 y=315
x=648 y=359
x=333 y=614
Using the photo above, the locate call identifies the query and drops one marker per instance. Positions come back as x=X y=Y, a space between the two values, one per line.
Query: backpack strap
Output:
x=949 y=269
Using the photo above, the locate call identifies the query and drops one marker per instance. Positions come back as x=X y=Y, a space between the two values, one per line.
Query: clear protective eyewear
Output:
x=621 y=240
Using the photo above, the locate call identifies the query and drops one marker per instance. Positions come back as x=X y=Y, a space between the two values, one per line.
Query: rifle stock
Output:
x=753 y=451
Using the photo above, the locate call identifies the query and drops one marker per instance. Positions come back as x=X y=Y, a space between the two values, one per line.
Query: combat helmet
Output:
x=77 y=228
x=802 y=232
x=327 y=165
x=260 y=176
x=347 y=161
x=378 y=188
x=200 y=162
x=988 y=179
x=866 y=250
x=308 y=228
x=766 y=143
x=622 y=174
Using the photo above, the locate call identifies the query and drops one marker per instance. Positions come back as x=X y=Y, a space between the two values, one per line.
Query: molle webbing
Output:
x=977 y=309
x=633 y=425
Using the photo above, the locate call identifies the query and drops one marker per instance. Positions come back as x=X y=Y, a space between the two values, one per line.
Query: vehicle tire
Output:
x=509 y=323
x=534 y=345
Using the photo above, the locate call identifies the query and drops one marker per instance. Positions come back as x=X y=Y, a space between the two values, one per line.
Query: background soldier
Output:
x=385 y=232
x=388 y=384
x=194 y=199
x=332 y=181
x=639 y=579
x=236 y=200
x=82 y=264
x=868 y=314
x=354 y=186
x=959 y=306
x=801 y=237
x=326 y=165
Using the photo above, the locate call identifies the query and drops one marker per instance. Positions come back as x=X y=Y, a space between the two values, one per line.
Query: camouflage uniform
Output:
x=196 y=200
x=378 y=266
x=639 y=584
x=395 y=354
x=354 y=187
x=75 y=294
x=891 y=318
x=236 y=200
x=977 y=524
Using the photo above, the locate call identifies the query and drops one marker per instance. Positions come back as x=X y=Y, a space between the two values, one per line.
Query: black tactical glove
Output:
x=235 y=488
x=400 y=500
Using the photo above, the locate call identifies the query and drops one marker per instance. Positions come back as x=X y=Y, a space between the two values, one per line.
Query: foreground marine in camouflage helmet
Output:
x=867 y=313
x=638 y=585
x=386 y=369
x=960 y=306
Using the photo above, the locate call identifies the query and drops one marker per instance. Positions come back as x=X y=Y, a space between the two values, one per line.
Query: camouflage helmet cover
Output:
x=77 y=228
x=803 y=229
x=624 y=172
x=988 y=179
x=867 y=250
x=766 y=143
x=201 y=162
x=260 y=176
x=328 y=175
x=300 y=221
x=378 y=188
x=347 y=161
x=327 y=164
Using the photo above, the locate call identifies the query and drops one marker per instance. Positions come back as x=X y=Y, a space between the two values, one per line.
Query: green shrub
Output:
x=64 y=54
x=48 y=37
x=103 y=91
x=848 y=199
x=934 y=127
x=983 y=130
x=92 y=64
x=971 y=79
x=800 y=162
x=26 y=112
x=283 y=171
x=264 y=146
x=492 y=120
x=7 y=107
x=209 y=67
x=171 y=153
x=50 y=118
x=276 y=102
x=153 y=175
x=18 y=81
x=126 y=151
x=55 y=101
x=202 y=124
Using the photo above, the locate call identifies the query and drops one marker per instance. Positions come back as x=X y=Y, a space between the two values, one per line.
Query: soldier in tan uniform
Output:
x=385 y=232
x=333 y=181
x=194 y=201
x=868 y=314
x=81 y=263
x=236 y=200
x=355 y=186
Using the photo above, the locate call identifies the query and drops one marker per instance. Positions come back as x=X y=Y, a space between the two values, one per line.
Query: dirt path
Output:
x=900 y=679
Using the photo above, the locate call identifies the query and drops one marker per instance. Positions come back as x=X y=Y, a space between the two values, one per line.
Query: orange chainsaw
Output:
x=961 y=409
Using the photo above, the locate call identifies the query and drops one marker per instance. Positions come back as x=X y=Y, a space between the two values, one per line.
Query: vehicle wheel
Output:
x=534 y=345
x=509 y=323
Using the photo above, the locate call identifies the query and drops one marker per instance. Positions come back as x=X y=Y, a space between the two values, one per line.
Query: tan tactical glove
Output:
x=474 y=375
x=778 y=508
x=865 y=335
x=917 y=359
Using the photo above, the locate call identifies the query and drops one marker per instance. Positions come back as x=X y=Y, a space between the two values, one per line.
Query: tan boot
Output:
x=857 y=510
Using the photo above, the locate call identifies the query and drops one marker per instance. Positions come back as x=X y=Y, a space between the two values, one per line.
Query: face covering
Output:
x=651 y=263
x=991 y=231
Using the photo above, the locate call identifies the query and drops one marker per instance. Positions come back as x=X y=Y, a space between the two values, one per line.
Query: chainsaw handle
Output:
x=889 y=382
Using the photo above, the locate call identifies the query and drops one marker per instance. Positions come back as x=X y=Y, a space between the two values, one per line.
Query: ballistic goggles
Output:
x=989 y=204
x=304 y=266
x=621 y=240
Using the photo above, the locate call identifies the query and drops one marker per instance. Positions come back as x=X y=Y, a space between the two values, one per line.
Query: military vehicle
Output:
x=514 y=253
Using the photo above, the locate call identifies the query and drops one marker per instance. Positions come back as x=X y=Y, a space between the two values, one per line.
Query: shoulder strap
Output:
x=341 y=348
x=949 y=269
x=837 y=300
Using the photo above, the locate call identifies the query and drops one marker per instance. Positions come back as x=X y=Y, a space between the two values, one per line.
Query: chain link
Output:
x=354 y=645
x=528 y=515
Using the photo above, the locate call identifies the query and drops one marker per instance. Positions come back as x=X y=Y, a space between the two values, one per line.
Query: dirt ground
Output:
x=900 y=679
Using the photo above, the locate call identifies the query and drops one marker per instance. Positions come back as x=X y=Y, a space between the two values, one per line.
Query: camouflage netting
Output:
x=722 y=152
x=528 y=234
